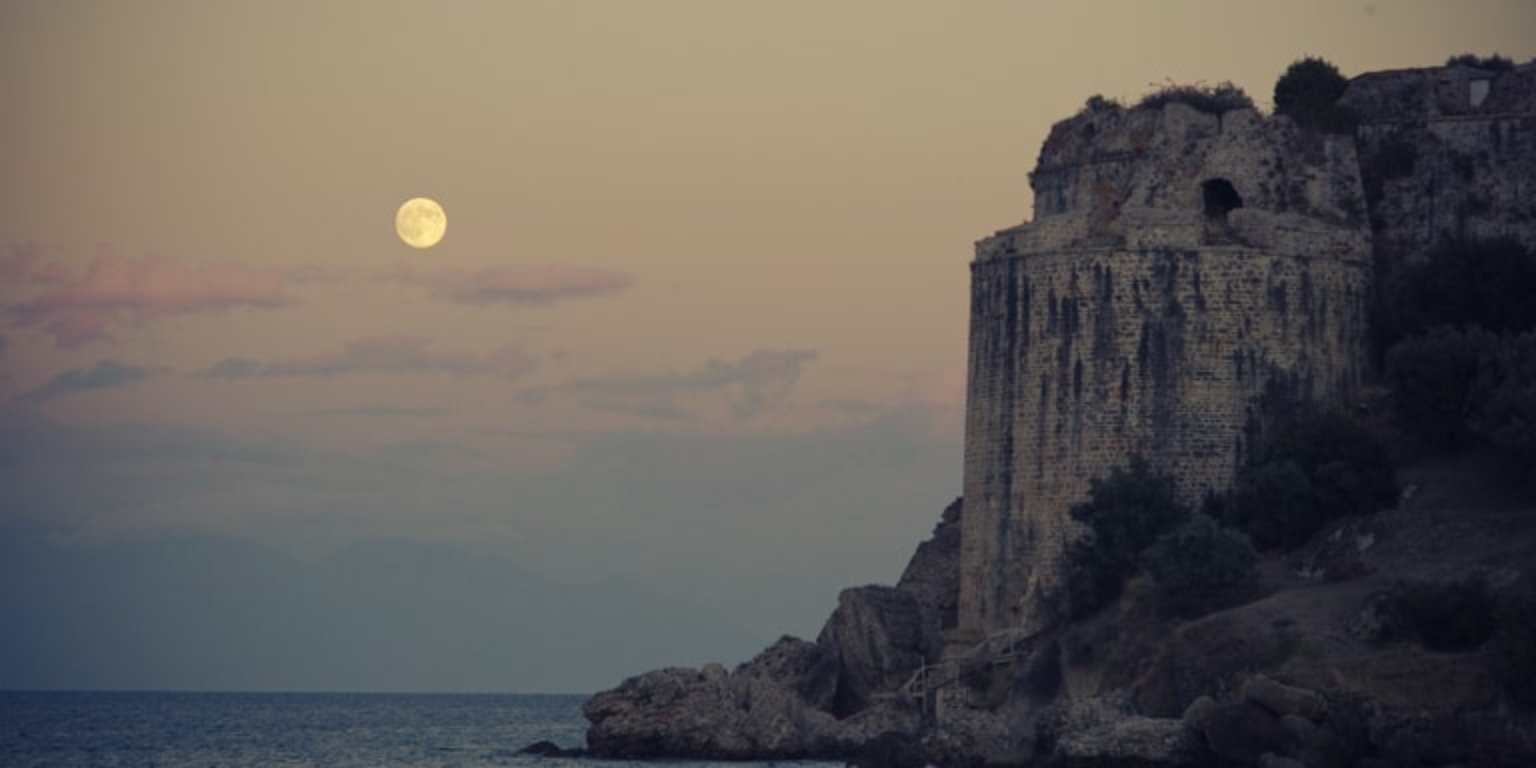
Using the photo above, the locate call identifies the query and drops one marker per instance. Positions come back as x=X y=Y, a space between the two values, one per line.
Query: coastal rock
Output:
x=759 y=712
x=708 y=714
x=1131 y=740
x=546 y=748
x=807 y=669
x=933 y=574
x=881 y=636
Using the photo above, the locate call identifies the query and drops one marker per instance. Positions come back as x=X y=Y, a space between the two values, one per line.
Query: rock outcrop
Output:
x=881 y=637
x=765 y=709
x=797 y=699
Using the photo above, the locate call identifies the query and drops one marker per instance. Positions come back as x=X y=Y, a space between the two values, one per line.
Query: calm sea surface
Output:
x=176 y=730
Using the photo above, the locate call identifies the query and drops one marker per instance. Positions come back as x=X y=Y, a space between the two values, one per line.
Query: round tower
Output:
x=1178 y=265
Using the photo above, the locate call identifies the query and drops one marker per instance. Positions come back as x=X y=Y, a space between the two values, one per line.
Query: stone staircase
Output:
x=998 y=649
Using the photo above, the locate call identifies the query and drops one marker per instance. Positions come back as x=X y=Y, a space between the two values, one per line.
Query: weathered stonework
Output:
x=1178 y=264
x=1446 y=151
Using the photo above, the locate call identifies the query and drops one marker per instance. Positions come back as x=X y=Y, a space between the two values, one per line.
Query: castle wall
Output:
x=1131 y=318
x=1082 y=358
x=1438 y=160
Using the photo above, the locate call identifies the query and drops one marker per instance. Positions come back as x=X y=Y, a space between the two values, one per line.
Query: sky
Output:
x=689 y=360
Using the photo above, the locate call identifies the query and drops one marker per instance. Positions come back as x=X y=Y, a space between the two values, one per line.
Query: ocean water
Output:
x=215 y=730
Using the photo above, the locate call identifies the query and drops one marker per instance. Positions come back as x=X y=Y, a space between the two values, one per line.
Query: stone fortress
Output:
x=1179 y=266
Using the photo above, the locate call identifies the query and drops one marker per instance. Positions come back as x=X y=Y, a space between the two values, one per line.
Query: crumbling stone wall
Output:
x=1446 y=151
x=1178 y=263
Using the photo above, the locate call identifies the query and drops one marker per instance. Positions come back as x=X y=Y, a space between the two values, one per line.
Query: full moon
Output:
x=421 y=222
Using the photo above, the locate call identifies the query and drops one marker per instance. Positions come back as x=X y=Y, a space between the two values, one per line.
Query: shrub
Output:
x=1099 y=103
x=1465 y=282
x=1276 y=504
x=1448 y=616
x=1200 y=567
x=1431 y=377
x=1494 y=62
x=1093 y=580
x=1323 y=466
x=1221 y=99
x=1502 y=399
x=1309 y=91
x=1125 y=512
x=1348 y=466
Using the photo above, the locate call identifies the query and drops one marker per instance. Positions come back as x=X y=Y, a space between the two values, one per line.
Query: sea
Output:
x=292 y=730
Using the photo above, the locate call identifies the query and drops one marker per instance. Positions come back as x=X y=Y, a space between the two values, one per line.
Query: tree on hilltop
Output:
x=1308 y=92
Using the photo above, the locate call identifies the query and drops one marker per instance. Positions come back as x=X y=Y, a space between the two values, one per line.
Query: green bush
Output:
x=1218 y=100
x=1200 y=567
x=1309 y=92
x=1276 y=504
x=1348 y=466
x=1466 y=282
x=1495 y=62
x=1323 y=466
x=1502 y=399
x=1432 y=376
x=1125 y=512
x=1441 y=616
x=1093 y=580
x=1098 y=104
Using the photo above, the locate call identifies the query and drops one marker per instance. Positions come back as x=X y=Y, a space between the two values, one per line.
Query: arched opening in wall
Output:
x=1220 y=198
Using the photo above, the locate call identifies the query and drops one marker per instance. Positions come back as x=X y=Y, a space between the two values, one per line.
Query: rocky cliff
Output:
x=798 y=699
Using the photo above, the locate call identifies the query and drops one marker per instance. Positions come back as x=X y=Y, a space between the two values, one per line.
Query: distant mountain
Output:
x=220 y=614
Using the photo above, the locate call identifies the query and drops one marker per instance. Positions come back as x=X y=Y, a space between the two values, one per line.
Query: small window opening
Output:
x=1477 y=91
x=1220 y=198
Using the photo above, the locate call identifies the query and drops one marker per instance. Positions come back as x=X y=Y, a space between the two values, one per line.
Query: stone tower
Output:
x=1178 y=264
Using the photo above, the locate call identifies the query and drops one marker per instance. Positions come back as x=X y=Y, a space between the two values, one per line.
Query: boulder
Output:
x=546 y=748
x=881 y=636
x=1283 y=699
x=706 y=714
x=807 y=669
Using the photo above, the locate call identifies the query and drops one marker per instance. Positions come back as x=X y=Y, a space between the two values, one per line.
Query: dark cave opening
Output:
x=1220 y=197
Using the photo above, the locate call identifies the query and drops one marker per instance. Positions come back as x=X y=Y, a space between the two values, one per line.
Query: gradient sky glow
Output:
x=698 y=325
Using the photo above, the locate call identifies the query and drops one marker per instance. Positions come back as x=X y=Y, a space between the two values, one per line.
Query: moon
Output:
x=421 y=222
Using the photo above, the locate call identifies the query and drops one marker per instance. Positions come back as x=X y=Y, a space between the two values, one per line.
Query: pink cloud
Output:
x=516 y=284
x=375 y=354
x=756 y=383
x=78 y=309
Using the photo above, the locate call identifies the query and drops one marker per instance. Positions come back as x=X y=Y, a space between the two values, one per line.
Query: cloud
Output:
x=757 y=382
x=106 y=374
x=515 y=284
x=21 y=267
x=114 y=288
x=933 y=397
x=400 y=411
x=376 y=354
